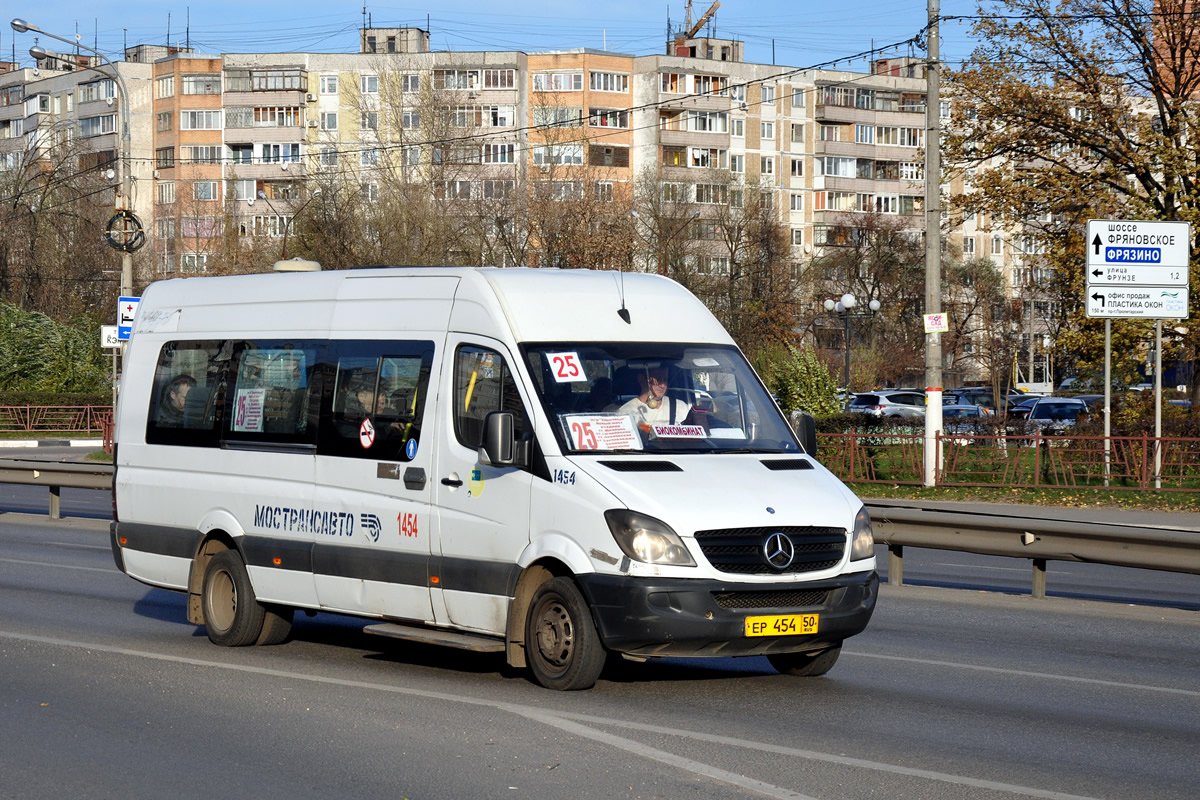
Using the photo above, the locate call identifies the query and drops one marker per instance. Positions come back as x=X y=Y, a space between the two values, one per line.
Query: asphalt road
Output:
x=106 y=691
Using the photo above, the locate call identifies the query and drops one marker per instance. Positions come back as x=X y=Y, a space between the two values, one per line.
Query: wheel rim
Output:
x=222 y=601
x=554 y=631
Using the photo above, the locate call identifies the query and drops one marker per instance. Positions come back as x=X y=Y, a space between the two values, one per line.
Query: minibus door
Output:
x=482 y=511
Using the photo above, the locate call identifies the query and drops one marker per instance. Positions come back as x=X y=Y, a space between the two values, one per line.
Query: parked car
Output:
x=979 y=396
x=887 y=403
x=1055 y=414
x=1019 y=409
x=964 y=421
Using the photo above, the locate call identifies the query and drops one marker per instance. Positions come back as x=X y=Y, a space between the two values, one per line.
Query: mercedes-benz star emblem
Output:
x=779 y=551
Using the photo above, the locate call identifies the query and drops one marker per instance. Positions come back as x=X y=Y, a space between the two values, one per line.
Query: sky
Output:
x=784 y=32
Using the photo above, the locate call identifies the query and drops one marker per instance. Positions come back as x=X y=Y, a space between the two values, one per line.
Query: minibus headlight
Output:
x=647 y=539
x=862 y=544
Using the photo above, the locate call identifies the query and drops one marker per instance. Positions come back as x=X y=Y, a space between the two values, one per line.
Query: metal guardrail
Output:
x=897 y=524
x=55 y=475
x=908 y=523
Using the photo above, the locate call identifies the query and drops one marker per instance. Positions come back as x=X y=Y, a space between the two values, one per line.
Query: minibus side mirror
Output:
x=806 y=429
x=499 y=447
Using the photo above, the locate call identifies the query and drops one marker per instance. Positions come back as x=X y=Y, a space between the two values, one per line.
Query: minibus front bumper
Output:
x=706 y=618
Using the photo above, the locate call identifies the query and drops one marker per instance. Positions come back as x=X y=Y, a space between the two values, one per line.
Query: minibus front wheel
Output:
x=562 y=647
x=806 y=665
x=233 y=617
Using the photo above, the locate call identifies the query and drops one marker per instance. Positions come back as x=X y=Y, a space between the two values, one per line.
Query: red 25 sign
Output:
x=566 y=367
x=585 y=437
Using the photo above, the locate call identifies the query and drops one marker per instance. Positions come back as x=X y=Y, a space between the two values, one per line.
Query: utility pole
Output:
x=933 y=244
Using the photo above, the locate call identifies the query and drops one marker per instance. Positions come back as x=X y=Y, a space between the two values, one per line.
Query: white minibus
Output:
x=556 y=465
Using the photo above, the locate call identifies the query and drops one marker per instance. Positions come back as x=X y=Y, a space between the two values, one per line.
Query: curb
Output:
x=51 y=443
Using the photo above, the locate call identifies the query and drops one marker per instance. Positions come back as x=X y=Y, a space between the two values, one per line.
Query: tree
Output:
x=1083 y=109
x=874 y=257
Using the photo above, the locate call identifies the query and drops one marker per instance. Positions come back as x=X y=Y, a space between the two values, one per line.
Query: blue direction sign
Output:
x=1137 y=269
x=126 y=309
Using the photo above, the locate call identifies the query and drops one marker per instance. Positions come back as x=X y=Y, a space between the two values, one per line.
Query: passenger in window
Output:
x=652 y=405
x=360 y=397
x=170 y=410
x=601 y=397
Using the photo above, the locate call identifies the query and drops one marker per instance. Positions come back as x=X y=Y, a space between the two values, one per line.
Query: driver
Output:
x=652 y=406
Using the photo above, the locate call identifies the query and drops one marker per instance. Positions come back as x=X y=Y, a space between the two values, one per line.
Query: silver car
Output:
x=890 y=403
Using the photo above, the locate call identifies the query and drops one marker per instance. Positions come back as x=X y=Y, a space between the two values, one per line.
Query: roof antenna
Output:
x=623 y=312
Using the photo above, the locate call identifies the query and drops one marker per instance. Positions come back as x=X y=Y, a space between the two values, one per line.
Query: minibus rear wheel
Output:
x=806 y=665
x=562 y=647
x=233 y=617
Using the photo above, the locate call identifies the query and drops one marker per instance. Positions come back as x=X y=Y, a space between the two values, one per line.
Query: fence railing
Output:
x=1029 y=460
x=55 y=419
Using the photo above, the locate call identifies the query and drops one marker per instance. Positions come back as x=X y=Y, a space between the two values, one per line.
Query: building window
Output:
x=206 y=190
x=797 y=237
x=202 y=154
x=368 y=157
x=796 y=199
x=557 y=117
x=201 y=84
x=370 y=192
x=766 y=165
x=798 y=132
x=163 y=121
x=997 y=245
x=243 y=189
x=708 y=157
x=498 y=189
x=673 y=83
x=200 y=120
x=276 y=117
x=164 y=228
x=558 y=82
x=604 y=191
x=609 y=82
x=499 y=153
x=410 y=83
x=166 y=191
x=241 y=153
x=608 y=118
x=370 y=121
x=708 y=121
x=329 y=84
x=164 y=86
x=96 y=126
x=329 y=157
x=499 y=79
x=768 y=93
x=737 y=164
x=968 y=246
x=329 y=120
x=456 y=79
x=370 y=84
x=712 y=193
x=768 y=130
x=737 y=128
x=164 y=158
x=558 y=154
x=280 y=153
x=193 y=262
x=410 y=119
x=865 y=134
x=797 y=165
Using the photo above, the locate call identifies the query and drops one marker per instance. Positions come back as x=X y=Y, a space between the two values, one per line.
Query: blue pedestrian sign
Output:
x=126 y=310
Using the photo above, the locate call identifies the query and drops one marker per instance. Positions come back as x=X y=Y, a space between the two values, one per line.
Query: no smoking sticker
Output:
x=366 y=434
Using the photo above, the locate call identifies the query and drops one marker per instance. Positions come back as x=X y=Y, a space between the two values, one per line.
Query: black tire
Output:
x=277 y=624
x=806 y=665
x=233 y=617
x=562 y=647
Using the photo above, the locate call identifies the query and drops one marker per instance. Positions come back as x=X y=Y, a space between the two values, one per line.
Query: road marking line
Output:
x=1026 y=674
x=562 y=720
x=60 y=566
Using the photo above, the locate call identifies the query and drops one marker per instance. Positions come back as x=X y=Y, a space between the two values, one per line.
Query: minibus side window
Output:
x=188 y=397
x=377 y=399
x=270 y=393
x=483 y=383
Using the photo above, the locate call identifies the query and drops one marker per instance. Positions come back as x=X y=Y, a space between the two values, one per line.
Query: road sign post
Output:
x=1136 y=269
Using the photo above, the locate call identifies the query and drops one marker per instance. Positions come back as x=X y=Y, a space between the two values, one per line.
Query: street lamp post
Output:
x=124 y=178
x=842 y=308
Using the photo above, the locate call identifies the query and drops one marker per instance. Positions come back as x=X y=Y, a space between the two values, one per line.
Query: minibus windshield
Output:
x=653 y=397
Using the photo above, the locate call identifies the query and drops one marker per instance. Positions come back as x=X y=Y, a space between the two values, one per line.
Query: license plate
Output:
x=782 y=625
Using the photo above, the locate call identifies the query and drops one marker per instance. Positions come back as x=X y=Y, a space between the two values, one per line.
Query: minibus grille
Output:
x=777 y=599
x=743 y=550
